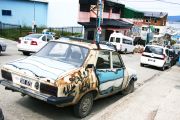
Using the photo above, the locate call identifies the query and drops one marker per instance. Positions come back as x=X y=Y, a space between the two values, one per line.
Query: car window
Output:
x=112 y=39
x=153 y=49
x=67 y=53
x=103 y=61
x=126 y=41
x=49 y=37
x=44 y=38
x=117 y=63
x=118 y=40
x=34 y=36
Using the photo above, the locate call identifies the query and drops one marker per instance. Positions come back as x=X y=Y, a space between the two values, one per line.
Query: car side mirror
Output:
x=89 y=66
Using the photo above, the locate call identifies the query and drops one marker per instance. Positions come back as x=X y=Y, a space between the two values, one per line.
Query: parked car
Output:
x=2 y=46
x=123 y=43
x=156 y=55
x=1 y=115
x=173 y=56
x=33 y=43
x=67 y=72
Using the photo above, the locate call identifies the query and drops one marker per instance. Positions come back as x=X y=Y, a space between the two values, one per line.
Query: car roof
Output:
x=88 y=45
x=156 y=46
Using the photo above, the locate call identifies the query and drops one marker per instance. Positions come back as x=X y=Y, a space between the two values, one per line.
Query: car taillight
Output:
x=33 y=43
x=164 y=57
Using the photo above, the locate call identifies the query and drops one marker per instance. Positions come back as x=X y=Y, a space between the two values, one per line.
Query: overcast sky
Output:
x=170 y=6
x=65 y=12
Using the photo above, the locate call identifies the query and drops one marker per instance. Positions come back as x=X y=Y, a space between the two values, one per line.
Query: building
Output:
x=154 y=22
x=24 y=12
x=112 y=14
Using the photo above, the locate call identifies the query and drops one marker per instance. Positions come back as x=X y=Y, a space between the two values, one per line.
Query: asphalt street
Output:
x=16 y=107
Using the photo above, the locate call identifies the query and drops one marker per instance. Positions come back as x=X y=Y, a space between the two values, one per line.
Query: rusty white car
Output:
x=67 y=72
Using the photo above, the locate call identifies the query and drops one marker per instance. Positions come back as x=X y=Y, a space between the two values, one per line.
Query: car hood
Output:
x=39 y=67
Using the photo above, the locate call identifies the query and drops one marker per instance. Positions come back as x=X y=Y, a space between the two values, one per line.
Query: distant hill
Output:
x=174 y=18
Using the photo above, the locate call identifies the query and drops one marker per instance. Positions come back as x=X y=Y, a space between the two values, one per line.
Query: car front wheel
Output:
x=84 y=106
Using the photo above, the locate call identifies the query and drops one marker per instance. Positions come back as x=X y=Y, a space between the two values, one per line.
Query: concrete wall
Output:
x=23 y=12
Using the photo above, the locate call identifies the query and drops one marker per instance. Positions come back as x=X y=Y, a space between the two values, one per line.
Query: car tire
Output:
x=125 y=51
x=26 y=53
x=84 y=106
x=1 y=115
x=141 y=64
x=163 y=68
x=129 y=88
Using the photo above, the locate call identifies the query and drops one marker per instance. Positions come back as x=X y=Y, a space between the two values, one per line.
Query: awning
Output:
x=107 y=23
x=131 y=13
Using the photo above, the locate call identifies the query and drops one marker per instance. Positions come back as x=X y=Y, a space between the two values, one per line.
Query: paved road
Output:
x=17 y=107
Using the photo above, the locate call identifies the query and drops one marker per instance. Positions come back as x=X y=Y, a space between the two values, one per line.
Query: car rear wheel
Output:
x=141 y=64
x=26 y=53
x=129 y=88
x=163 y=68
x=84 y=106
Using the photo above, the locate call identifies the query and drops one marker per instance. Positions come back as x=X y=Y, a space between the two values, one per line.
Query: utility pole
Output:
x=99 y=20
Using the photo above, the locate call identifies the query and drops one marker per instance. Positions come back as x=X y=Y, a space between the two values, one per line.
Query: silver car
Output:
x=2 y=46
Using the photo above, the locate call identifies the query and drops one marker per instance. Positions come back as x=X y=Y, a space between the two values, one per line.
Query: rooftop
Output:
x=155 y=14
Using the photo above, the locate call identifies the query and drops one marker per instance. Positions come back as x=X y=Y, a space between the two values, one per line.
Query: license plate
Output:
x=151 y=60
x=25 y=42
x=26 y=82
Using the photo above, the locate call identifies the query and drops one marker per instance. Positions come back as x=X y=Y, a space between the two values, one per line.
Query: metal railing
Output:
x=15 y=31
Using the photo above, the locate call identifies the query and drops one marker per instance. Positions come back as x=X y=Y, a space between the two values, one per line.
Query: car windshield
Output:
x=34 y=36
x=63 y=52
x=153 y=49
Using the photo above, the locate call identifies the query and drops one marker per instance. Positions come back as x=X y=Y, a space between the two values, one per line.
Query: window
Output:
x=155 y=21
x=144 y=28
x=49 y=37
x=6 y=13
x=106 y=8
x=153 y=49
x=44 y=38
x=118 y=40
x=147 y=21
x=103 y=61
x=84 y=8
x=115 y=10
x=129 y=42
x=112 y=39
x=117 y=63
x=90 y=35
x=156 y=30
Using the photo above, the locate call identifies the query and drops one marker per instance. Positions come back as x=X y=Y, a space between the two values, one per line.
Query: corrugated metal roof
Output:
x=155 y=14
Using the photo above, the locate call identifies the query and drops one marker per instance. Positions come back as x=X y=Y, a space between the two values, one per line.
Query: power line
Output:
x=175 y=3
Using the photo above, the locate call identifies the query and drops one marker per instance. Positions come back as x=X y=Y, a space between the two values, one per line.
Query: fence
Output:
x=15 y=31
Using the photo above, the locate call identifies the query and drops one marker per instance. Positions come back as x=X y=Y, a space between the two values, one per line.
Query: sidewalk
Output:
x=158 y=99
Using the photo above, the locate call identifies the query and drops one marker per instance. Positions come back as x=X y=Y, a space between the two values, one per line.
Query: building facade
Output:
x=24 y=12
x=154 y=22
x=111 y=22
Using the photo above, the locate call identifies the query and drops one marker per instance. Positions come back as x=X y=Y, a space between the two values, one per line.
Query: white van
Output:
x=123 y=43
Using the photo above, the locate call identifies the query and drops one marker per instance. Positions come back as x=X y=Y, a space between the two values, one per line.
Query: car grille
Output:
x=48 y=89
x=6 y=75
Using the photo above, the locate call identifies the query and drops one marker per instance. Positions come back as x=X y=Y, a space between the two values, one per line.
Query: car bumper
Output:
x=44 y=97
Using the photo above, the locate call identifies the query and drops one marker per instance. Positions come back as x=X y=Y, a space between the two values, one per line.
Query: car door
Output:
x=109 y=71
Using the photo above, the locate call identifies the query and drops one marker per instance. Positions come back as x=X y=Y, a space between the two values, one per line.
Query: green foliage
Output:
x=15 y=33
